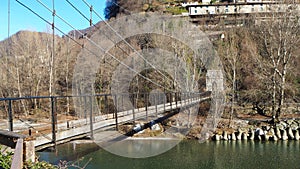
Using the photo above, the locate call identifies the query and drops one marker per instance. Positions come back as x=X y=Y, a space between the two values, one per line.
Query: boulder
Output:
x=278 y=133
x=252 y=134
x=284 y=135
x=239 y=134
x=259 y=132
x=266 y=134
x=217 y=137
x=225 y=135
x=245 y=136
x=229 y=136
x=290 y=133
x=296 y=135
x=155 y=127
x=138 y=128
x=233 y=137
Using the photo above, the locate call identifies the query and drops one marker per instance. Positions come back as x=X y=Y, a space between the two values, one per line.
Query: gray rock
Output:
x=155 y=127
x=245 y=136
x=284 y=135
x=233 y=137
x=239 y=135
x=297 y=135
x=290 y=133
x=278 y=133
x=217 y=137
x=252 y=134
x=225 y=135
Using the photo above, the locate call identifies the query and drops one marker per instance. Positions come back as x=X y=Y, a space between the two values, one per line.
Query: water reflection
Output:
x=191 y=155
x=140 y=148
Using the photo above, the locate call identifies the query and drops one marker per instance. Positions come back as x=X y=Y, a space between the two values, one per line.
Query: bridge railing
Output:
x=22 y=145
x=40 y=115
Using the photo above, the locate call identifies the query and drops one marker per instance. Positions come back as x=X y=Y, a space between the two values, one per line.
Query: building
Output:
x=236 y=8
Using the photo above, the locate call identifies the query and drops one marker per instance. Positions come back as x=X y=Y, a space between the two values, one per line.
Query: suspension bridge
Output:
x=58 y=131
x=33 y=135
x=168 y=55
x=96 y=113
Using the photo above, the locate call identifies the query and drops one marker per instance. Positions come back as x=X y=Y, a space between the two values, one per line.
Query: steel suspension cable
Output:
x=90 y=7
x=124 y=40
x=103 y=50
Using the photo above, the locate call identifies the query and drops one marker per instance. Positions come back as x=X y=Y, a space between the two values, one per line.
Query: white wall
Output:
x=228 y=9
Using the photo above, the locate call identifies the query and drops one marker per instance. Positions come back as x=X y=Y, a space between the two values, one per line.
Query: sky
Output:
x=22 y=19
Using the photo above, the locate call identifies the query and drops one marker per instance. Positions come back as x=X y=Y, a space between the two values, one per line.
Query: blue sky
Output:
x=23 y=19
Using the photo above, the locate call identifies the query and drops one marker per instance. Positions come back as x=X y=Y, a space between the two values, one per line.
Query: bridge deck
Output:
x=103 y=122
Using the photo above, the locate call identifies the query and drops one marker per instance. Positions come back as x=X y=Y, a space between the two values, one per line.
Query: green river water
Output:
x=188 y=154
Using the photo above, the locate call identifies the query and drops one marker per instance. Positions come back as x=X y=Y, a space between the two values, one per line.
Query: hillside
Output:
x=125 y=7
x=26 y=63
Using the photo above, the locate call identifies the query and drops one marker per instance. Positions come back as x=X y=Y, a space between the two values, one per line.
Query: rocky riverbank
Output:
x=283 y=130
x=256 y=128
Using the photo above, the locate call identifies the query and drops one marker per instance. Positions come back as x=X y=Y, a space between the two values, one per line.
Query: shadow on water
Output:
x=189 y=154
x=67 y=152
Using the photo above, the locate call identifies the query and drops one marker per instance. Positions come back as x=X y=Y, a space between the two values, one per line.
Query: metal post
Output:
x=146 y=105
x=10 y=116
x=85 y=109
x=122 y=99
x=105 y=104
x=99 y=105
x=189 y=98
x=137 y=101
x=54 y=119
x=133 y=112
x=116 y=112
x=171 y=99
x=176 y=95
x=91 y=117
x=164 y=98
x=181 y=98
x=184 y=98
x=156 y=102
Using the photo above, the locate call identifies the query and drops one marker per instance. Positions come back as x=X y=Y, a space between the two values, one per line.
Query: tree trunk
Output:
x=274 y=95
x=233 y=94
x=282 y=93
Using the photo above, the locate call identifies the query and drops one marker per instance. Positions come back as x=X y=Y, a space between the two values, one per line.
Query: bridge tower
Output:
x=214 y=80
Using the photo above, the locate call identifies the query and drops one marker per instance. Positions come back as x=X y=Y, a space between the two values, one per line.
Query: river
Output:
x=188 y=154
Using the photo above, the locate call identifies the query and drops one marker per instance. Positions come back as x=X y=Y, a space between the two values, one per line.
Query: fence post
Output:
x=105 y=104
x=53 y=119
x=99 y=101
x=85 y=109
x=176 y=99
x=133 y=107
x=10 y=116
x=146 y=105
x=122 y=99
x=164 y=98
x=156 y=102
x=116 y=112
x=185 y=99
x=91 y=117
x=171 y=100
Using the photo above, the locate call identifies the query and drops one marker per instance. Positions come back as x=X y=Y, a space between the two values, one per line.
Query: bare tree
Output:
x=229 y=49
x=279 y=37
x=27 y=64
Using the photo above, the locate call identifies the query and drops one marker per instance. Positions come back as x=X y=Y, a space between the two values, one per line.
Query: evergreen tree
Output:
x=112 y=9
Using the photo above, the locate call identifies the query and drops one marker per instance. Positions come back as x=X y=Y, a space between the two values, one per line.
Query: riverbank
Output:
x=282 y=130
x=243 y=127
